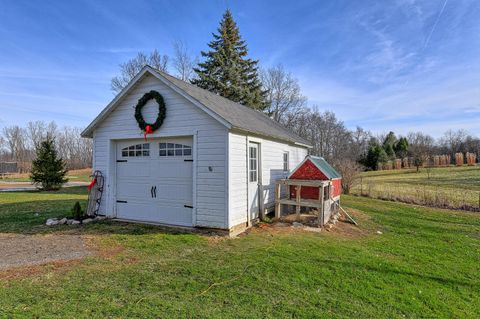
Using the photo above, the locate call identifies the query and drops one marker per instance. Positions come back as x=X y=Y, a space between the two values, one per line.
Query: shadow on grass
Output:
x=395 y=271
x=72 y=190
x=29 y=217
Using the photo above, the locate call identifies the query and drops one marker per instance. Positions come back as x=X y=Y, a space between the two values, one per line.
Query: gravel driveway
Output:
x=26 y=186
x=25 y=250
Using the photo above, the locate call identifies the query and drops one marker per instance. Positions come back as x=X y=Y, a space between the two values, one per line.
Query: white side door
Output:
x=253 y=179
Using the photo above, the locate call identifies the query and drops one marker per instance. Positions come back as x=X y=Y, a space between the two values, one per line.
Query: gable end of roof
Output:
x=225 y=111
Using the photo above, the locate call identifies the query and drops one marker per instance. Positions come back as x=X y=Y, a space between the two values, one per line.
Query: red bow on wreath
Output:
x=92 y=183
x=148 y=130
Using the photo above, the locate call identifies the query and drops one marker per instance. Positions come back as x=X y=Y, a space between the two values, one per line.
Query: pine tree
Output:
x=389 y=144
x=227 y=71
x=401 y=147
x=48 y=171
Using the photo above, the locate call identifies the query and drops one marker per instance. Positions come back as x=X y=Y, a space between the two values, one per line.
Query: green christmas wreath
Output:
x=144 y=126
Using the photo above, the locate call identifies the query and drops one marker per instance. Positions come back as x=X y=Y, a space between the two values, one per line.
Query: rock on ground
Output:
x=51 y=221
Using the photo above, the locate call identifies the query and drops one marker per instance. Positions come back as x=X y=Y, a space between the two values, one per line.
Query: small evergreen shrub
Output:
x=48 y=170
x=77 y=212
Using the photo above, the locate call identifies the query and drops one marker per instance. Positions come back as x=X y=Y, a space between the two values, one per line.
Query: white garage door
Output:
x=154 y=180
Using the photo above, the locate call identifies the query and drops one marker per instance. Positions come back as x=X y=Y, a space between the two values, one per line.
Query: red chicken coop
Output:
x=313 y=184
x=316 y=168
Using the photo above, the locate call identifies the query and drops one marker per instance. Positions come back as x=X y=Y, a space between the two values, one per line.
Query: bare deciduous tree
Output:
x=420 y=148
x=183 y=62
x=75 y=150
x=453 y=142
x=350 y=170
x=328 y=135
x=130 y=69
x=18 y=144
x=39 y=130
x=360 y=143
x=283 y=92
x=15 y=137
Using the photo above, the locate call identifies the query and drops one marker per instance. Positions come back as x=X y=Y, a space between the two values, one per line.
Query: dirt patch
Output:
x=24 y=255
x=289 y=224
x=26 y=271
x=310 y=219
x=26 y=250
x=344 y=228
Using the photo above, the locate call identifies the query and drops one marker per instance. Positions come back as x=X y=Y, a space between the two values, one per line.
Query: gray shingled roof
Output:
x=238 y=115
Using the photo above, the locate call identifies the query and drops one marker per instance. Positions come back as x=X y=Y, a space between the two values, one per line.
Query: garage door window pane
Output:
x=137 y=150
x=173 y=149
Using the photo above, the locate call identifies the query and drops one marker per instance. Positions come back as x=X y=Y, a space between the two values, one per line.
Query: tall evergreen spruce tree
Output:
x=48 y=171
x=227 y=71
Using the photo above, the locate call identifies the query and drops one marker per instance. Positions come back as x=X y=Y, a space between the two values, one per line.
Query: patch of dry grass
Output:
x=446 y=187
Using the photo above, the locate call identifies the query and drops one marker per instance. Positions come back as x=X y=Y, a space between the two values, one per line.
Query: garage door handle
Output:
x=151 y=191
x=155 y=191
x=187 y=206
x=121 y=201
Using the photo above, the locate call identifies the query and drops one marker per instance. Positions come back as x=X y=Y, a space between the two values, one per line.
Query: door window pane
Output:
x=285 y=162
x=253 y=175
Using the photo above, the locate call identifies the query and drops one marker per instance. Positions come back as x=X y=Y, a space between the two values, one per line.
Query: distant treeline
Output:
x=419 y=149
x=18 y=144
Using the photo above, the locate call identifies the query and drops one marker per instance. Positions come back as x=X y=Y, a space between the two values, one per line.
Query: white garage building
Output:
x=203 y=167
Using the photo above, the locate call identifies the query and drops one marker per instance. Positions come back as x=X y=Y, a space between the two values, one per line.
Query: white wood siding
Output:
x=271 y=153
x=183 y=118
x=237 y=179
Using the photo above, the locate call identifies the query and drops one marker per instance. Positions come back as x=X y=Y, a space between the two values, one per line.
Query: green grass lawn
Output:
x=454 y=187
x=426 y=264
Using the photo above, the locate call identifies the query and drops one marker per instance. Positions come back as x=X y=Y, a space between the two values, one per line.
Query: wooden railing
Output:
x=298 y=202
